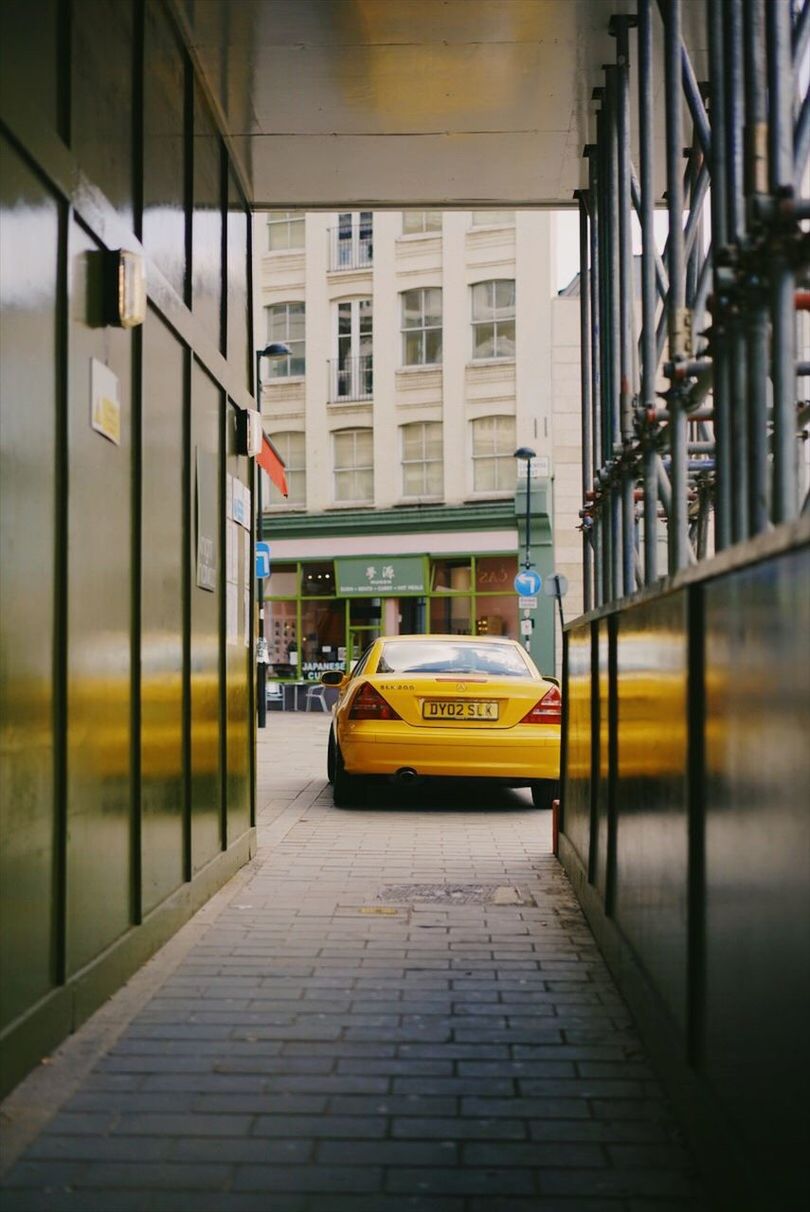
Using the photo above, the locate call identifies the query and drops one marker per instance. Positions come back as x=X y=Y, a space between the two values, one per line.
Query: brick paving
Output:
x=360 y=1027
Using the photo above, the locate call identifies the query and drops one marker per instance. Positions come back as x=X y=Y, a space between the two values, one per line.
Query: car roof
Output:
x=451 y=639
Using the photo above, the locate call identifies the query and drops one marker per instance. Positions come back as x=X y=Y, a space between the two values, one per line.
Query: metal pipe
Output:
x=801 y=143
x=800 y=35
x=661 y=280
x=649 y=359
x=585 y=385
x=719 y=217
x=783 y=278
x=596 y=338
x=738 y=422
x=695 y=102
x=613 y=267
x=676 y=318
x=756 y=315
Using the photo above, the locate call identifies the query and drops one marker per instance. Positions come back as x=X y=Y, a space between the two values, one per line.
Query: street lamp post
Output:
x=276 y=349
x=524 y=452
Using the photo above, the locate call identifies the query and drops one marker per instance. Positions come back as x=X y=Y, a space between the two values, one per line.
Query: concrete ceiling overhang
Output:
x=329 y=103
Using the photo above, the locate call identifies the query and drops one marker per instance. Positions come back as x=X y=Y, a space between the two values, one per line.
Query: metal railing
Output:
x=718 y=461
x=351 y=247
x=351 y=379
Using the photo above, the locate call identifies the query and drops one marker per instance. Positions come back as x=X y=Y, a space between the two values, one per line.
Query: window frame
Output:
x=424 y=462
x=281 y=368
x=494 y=320
x=423 y=329
x=354 y=469
x=290 y=219
x=476 y=222
x=424 y=229
x=504 y=456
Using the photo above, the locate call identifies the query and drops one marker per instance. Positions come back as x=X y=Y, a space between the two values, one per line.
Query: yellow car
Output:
x=452 y=706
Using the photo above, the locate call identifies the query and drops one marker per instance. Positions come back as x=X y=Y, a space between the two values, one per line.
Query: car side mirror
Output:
x=333 y=677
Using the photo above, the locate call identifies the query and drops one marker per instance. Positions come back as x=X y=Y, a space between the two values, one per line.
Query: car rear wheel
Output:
x=330 y=758
x=544 y=791
x=347 y=789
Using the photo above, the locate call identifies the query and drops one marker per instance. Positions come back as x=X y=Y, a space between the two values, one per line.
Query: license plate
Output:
x=459 y=709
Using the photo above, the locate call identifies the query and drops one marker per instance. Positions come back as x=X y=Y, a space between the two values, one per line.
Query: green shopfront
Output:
x=324 y=608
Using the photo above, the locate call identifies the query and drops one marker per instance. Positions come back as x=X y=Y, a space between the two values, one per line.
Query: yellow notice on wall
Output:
x=105 y=406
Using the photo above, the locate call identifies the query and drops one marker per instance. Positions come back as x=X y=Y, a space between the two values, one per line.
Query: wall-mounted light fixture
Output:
x=124 y=288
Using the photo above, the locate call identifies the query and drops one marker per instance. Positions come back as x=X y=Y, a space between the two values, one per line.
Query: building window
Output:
x=353 y=369
x=422 y=326
x=290 y=447
x=422 y=471
x=417 y=222
x=493 y=218
x=493 y=316
x=285 y=230
x=354 y=466
x=494 y=454
x=286 y=322
x=352 y=241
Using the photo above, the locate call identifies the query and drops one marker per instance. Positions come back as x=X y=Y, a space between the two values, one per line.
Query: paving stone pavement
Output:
x=328 y=1043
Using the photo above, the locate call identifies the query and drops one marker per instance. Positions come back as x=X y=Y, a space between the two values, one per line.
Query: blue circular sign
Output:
x=528 y=582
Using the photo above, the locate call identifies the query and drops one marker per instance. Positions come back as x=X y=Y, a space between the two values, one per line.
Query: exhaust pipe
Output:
x=406 y=775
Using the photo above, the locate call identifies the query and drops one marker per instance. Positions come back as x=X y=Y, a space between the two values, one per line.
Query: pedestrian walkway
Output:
x=394 y=1008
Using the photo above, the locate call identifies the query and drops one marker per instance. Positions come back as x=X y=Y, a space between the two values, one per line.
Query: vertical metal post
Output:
x=261 y=655
x=619 y=25
x=738 y=421
x=678 y=518
x=613 y=273
x=783 y=280
x=594 y=184
x=649 y=359
x=585 y=388
x=719 y=345
x=604 y=313
x=756 y=315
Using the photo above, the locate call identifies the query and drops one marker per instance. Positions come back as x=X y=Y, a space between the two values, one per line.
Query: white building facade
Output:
x=426 y=347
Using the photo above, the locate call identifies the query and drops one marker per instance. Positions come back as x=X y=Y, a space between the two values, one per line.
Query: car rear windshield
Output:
x=443 y=656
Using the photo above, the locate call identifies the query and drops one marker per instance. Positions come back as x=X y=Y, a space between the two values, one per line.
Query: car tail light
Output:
x=547 y=711
x=369 y=704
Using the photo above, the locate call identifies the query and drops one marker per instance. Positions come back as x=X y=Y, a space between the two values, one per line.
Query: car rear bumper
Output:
x=524 y=753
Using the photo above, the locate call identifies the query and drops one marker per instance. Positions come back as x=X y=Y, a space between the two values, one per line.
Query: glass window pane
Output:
x=344 y=449
x=494 y=573
x=365 y=485
x=482 y=301
x=318 y=580
x=297 y=234
x=483 y=431
x=433 y=440
x=487 y=218
x=450 y=574
x=412 y=309
x=412 y=221
x=505 y=296
x=497 y=615
x=412 y=438
x=450 y=615
x=434 y=479
x=483 y=340
x=484 y=477
x=433 y=346
x=323 y=632
x=365 y=315
x=412 y=479
x=364 y=448
x=282 y=636
x=505 y=435
x=433 y=220
x=412 y=349
x=283 y=581
x=433 y=305
x=344 y=318
x=505 y=341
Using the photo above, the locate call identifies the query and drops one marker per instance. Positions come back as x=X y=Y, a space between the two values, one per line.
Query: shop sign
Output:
x=380 y=576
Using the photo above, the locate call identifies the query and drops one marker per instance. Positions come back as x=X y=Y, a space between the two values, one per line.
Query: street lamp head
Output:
x=524 y=452
x=276 y=349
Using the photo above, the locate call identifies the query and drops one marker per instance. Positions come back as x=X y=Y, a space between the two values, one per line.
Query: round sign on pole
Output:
x=556 y=586
x=528 y=583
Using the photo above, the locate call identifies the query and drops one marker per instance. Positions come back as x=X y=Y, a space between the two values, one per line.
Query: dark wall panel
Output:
x=239 y=338
x=206 y=507
x=206 y=273
x=29 y=233
x=599 y=859
x=578 y=781
x=99 y=623
x=102 y=97
x=30 y=33
x=162 y=783
x=164 y=151
x=758 y=855
x=237 y=652
x=651 y=829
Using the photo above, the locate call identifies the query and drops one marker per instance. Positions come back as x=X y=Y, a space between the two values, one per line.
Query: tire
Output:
x=544 y=791
x=330 y=757
x=346 y=788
